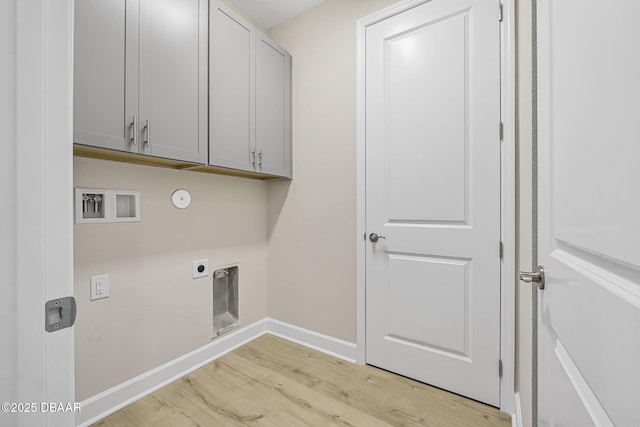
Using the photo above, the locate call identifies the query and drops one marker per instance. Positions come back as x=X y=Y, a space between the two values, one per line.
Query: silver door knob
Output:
x=534 y=277
x=375 y=237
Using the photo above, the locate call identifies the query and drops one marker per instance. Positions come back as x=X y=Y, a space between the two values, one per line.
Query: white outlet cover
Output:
x=205 y=272
x=99 y=287
x=181 y=199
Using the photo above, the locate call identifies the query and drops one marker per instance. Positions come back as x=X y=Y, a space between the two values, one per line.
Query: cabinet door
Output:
x=232 y=95
x=273 y=108
x=101 y=45
x=173 y=79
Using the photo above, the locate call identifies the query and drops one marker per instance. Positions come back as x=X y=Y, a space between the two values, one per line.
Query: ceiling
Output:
x=269 y=13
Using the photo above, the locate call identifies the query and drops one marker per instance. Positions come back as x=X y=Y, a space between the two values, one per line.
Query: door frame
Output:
x=507 y=190
x=44 y=207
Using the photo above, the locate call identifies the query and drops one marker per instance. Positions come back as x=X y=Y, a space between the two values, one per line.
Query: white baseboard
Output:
x=109 y=401
x=517 y=417
x=332 y=346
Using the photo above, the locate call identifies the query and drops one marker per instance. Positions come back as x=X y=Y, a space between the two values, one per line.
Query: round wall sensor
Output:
x=181 y=199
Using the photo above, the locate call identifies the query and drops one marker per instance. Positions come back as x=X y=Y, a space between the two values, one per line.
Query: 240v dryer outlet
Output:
x=200 y=268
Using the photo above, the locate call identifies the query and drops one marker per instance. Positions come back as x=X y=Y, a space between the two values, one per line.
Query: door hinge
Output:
x=501 y=249
x=500 y=368
x=500 y=12
x=501 y=131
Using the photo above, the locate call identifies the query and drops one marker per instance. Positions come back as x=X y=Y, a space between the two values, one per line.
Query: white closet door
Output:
x=433 y=192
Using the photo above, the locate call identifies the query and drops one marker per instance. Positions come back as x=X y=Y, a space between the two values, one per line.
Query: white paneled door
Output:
x=589 y=213
x=433 y=196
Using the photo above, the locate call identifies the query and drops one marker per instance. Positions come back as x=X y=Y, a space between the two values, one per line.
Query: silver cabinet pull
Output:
x=147 y=133
x=375 y=237
x=253 y=153
x=534 y=277
x=134 y=131
x=260 y=157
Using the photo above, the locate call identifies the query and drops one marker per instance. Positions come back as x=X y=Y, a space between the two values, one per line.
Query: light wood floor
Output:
x=273 y=382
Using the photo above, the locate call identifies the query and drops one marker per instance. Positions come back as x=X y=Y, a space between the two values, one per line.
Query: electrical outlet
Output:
x=200 y=268
x=99 y=287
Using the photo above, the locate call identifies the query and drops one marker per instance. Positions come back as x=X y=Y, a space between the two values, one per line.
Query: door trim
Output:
x=507 y=189
x=44 y=164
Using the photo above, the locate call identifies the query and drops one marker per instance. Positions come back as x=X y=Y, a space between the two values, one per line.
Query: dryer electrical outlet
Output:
x=200 y=268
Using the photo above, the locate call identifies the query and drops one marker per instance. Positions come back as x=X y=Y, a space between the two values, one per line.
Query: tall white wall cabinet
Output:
x=154 y=77
x=250 y=104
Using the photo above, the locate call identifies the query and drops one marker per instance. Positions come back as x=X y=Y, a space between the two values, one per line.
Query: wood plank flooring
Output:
x=273 y=382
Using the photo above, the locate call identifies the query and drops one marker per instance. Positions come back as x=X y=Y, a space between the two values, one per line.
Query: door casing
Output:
x=507 y=190
x=44 y=226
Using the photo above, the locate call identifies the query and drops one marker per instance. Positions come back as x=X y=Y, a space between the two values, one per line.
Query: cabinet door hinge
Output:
x=500 y=368
x=501 y=131
x=500 y=11
x=501 y=249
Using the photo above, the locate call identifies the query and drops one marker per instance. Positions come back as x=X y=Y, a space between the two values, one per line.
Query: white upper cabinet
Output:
x=232 y=82
x=273 y=108
x=173 y=79
x=180 y=80
x=141 y=77
x=250 y=98
x=99 y=74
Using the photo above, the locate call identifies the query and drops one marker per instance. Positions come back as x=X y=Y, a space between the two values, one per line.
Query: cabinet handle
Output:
x=147 y=133
x=134 y=131
x=253 y=153
x=260 y=157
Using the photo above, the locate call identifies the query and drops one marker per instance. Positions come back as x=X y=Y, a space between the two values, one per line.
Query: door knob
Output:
x=375 y=237
x=534 y=277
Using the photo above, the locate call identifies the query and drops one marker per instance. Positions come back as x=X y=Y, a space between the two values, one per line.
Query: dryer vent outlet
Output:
x=225 y=299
